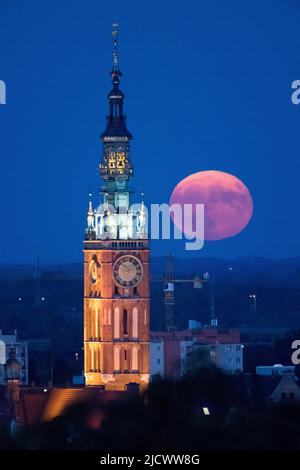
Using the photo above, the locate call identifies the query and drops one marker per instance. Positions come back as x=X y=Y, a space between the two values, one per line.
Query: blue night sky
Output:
x=207 y=85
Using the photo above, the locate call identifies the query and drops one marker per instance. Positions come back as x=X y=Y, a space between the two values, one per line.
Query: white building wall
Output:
x=186 y=348
x=156 y=358
x=228 y=357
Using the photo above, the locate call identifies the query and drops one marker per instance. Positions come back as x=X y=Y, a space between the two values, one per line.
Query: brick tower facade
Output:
x=116 y=264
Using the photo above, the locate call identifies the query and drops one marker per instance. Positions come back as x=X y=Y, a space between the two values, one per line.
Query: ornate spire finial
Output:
x=115 y=34
x=90 y=215
x=142 y=209
x=90 y=211
x=116 y=120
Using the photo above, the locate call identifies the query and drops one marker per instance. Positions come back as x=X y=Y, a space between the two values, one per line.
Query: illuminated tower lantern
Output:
x=116 y=263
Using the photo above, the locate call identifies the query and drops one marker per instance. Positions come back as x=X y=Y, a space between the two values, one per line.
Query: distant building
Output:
x=277 y=383
x=194 y=325
x=277 y=369
x=157 y=357
x=33 y=406
x=9 y=341
x=228 y=357
x=174 y=354
x=286 y=390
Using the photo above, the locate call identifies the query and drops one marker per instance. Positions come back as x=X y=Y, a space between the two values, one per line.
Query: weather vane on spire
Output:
x=115 y=34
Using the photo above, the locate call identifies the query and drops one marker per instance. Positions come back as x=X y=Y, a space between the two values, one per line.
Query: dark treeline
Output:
x=170 y=416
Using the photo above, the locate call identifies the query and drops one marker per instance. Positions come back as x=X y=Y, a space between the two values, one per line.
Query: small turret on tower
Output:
x=90 y=231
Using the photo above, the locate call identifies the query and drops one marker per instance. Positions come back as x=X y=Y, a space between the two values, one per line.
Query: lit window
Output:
x=134 y=359
x=117 y=359
x=116 y=323
x=135 y=322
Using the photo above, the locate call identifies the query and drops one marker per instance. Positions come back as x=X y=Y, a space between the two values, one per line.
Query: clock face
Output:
x=94 y=267
x=127 y=271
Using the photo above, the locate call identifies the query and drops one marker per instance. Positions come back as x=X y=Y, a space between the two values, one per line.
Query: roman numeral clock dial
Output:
x=127 y=271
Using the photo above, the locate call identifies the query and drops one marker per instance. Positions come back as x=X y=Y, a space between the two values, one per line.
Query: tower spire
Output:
x=90 y=218
x=116 y=69
x=90 y=210
x=116 y=128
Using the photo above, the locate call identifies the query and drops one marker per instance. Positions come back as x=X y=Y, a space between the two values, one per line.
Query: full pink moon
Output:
x=228 y=204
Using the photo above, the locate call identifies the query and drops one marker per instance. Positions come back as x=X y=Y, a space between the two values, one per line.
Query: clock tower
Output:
x=116 y=263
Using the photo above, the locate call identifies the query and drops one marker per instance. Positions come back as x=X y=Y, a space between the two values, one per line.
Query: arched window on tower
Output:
x=125 y=322
x=117 y=359
x=117 y=323
x=135 y=322
x=134 y=359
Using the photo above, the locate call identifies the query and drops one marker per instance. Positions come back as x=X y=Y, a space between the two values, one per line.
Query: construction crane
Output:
x=169 y=294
